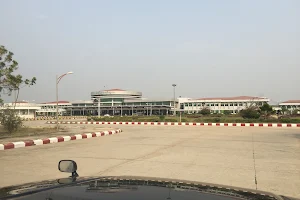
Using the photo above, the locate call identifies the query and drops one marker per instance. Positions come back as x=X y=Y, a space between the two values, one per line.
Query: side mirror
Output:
x=68 y=166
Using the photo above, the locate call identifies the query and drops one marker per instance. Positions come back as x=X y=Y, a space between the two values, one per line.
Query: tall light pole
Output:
x=99 y=106
x=174 y=85
x=58 y=78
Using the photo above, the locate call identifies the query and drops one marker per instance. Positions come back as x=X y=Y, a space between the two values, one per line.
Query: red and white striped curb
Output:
x=13 y=145
x=52 y=118
x=186 y=123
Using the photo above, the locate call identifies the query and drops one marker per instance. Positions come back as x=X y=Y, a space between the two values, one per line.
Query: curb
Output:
x=186 y=124
x=14 y=145
x=50 y=118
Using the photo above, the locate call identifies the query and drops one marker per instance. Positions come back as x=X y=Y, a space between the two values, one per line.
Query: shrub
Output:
x=10 y=120
x=216 y=119
x=184 y=120
x=250 y=113
x=171 y=120
x=227 y=112
x=162 y=118
x=205 y=111
x=289 y=120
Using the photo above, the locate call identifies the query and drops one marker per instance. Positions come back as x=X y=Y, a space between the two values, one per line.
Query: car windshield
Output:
x=201 y=91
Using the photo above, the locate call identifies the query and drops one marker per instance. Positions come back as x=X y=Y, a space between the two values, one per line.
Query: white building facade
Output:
x=24 y=109
x=291 y=105
x=49 y=108
x=219 y=105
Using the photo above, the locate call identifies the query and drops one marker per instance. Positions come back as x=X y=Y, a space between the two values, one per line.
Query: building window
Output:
x=190 y=104
x=226 y=104
x=222 y=104
x=240 y=104
x=231 y=104
x=186 y=104
x=195 y=104
x=235 y=104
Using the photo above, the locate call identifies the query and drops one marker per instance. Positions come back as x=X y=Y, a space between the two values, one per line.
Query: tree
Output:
x=10 y=81
x=266 y=110
x=10 y=120
x=205 y=111
x=295 y=112
x=284 y=110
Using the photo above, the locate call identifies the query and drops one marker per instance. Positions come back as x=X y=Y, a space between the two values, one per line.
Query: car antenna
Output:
x=254 y=166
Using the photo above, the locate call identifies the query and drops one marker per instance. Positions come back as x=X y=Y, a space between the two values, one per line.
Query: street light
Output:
x=174 y=85
x=58 y=78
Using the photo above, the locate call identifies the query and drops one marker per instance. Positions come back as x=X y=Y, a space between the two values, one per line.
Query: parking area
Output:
x=222 y=155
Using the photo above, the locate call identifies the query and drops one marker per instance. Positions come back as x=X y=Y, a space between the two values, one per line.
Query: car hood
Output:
x=125 y=187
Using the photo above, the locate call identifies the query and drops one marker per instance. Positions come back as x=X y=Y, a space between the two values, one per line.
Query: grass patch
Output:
x=217 y=118
x=26 y=131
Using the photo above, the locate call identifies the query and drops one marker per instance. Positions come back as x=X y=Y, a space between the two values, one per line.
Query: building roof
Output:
x=148 y=100
x=21 y=102
x=54 y=102
x=81 y=101
x=291 y=101
x=115 y=89
x=233 y=98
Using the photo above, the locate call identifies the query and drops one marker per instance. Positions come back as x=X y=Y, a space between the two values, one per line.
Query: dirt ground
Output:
x=221 y=155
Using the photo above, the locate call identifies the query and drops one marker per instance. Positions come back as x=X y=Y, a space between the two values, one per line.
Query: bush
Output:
x=184 y=120
x=289 y=120
x=217 y=115
x=10 y=120
x=249 y=113
x=227 y=112
x=171 y=120
x=216 y=119
x=205 y=111
x=162 y=118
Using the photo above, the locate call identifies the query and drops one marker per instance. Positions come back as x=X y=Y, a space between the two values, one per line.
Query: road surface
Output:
x=221 y=155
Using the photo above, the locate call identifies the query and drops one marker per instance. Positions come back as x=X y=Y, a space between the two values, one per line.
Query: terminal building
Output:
x=126 y=102
x=120 y=102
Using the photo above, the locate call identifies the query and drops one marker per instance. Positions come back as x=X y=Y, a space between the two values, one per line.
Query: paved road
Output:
x=221 y=155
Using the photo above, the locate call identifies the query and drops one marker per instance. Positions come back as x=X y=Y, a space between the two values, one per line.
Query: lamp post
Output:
x=58 y=78
x=174 y=85
x=147 y=108
x=99 y=107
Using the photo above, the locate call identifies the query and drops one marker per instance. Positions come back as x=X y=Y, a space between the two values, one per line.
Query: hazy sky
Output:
x=208 y=48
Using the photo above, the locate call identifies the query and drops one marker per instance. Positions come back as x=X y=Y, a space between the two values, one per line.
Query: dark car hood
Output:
x=125 y=187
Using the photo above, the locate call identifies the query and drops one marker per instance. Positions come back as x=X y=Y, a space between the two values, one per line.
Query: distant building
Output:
x=221 y=104
x=49 y=108
x=24 y=109
x=291 y=105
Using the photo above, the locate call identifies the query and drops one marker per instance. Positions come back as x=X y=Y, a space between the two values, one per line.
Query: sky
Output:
x=209 y=48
